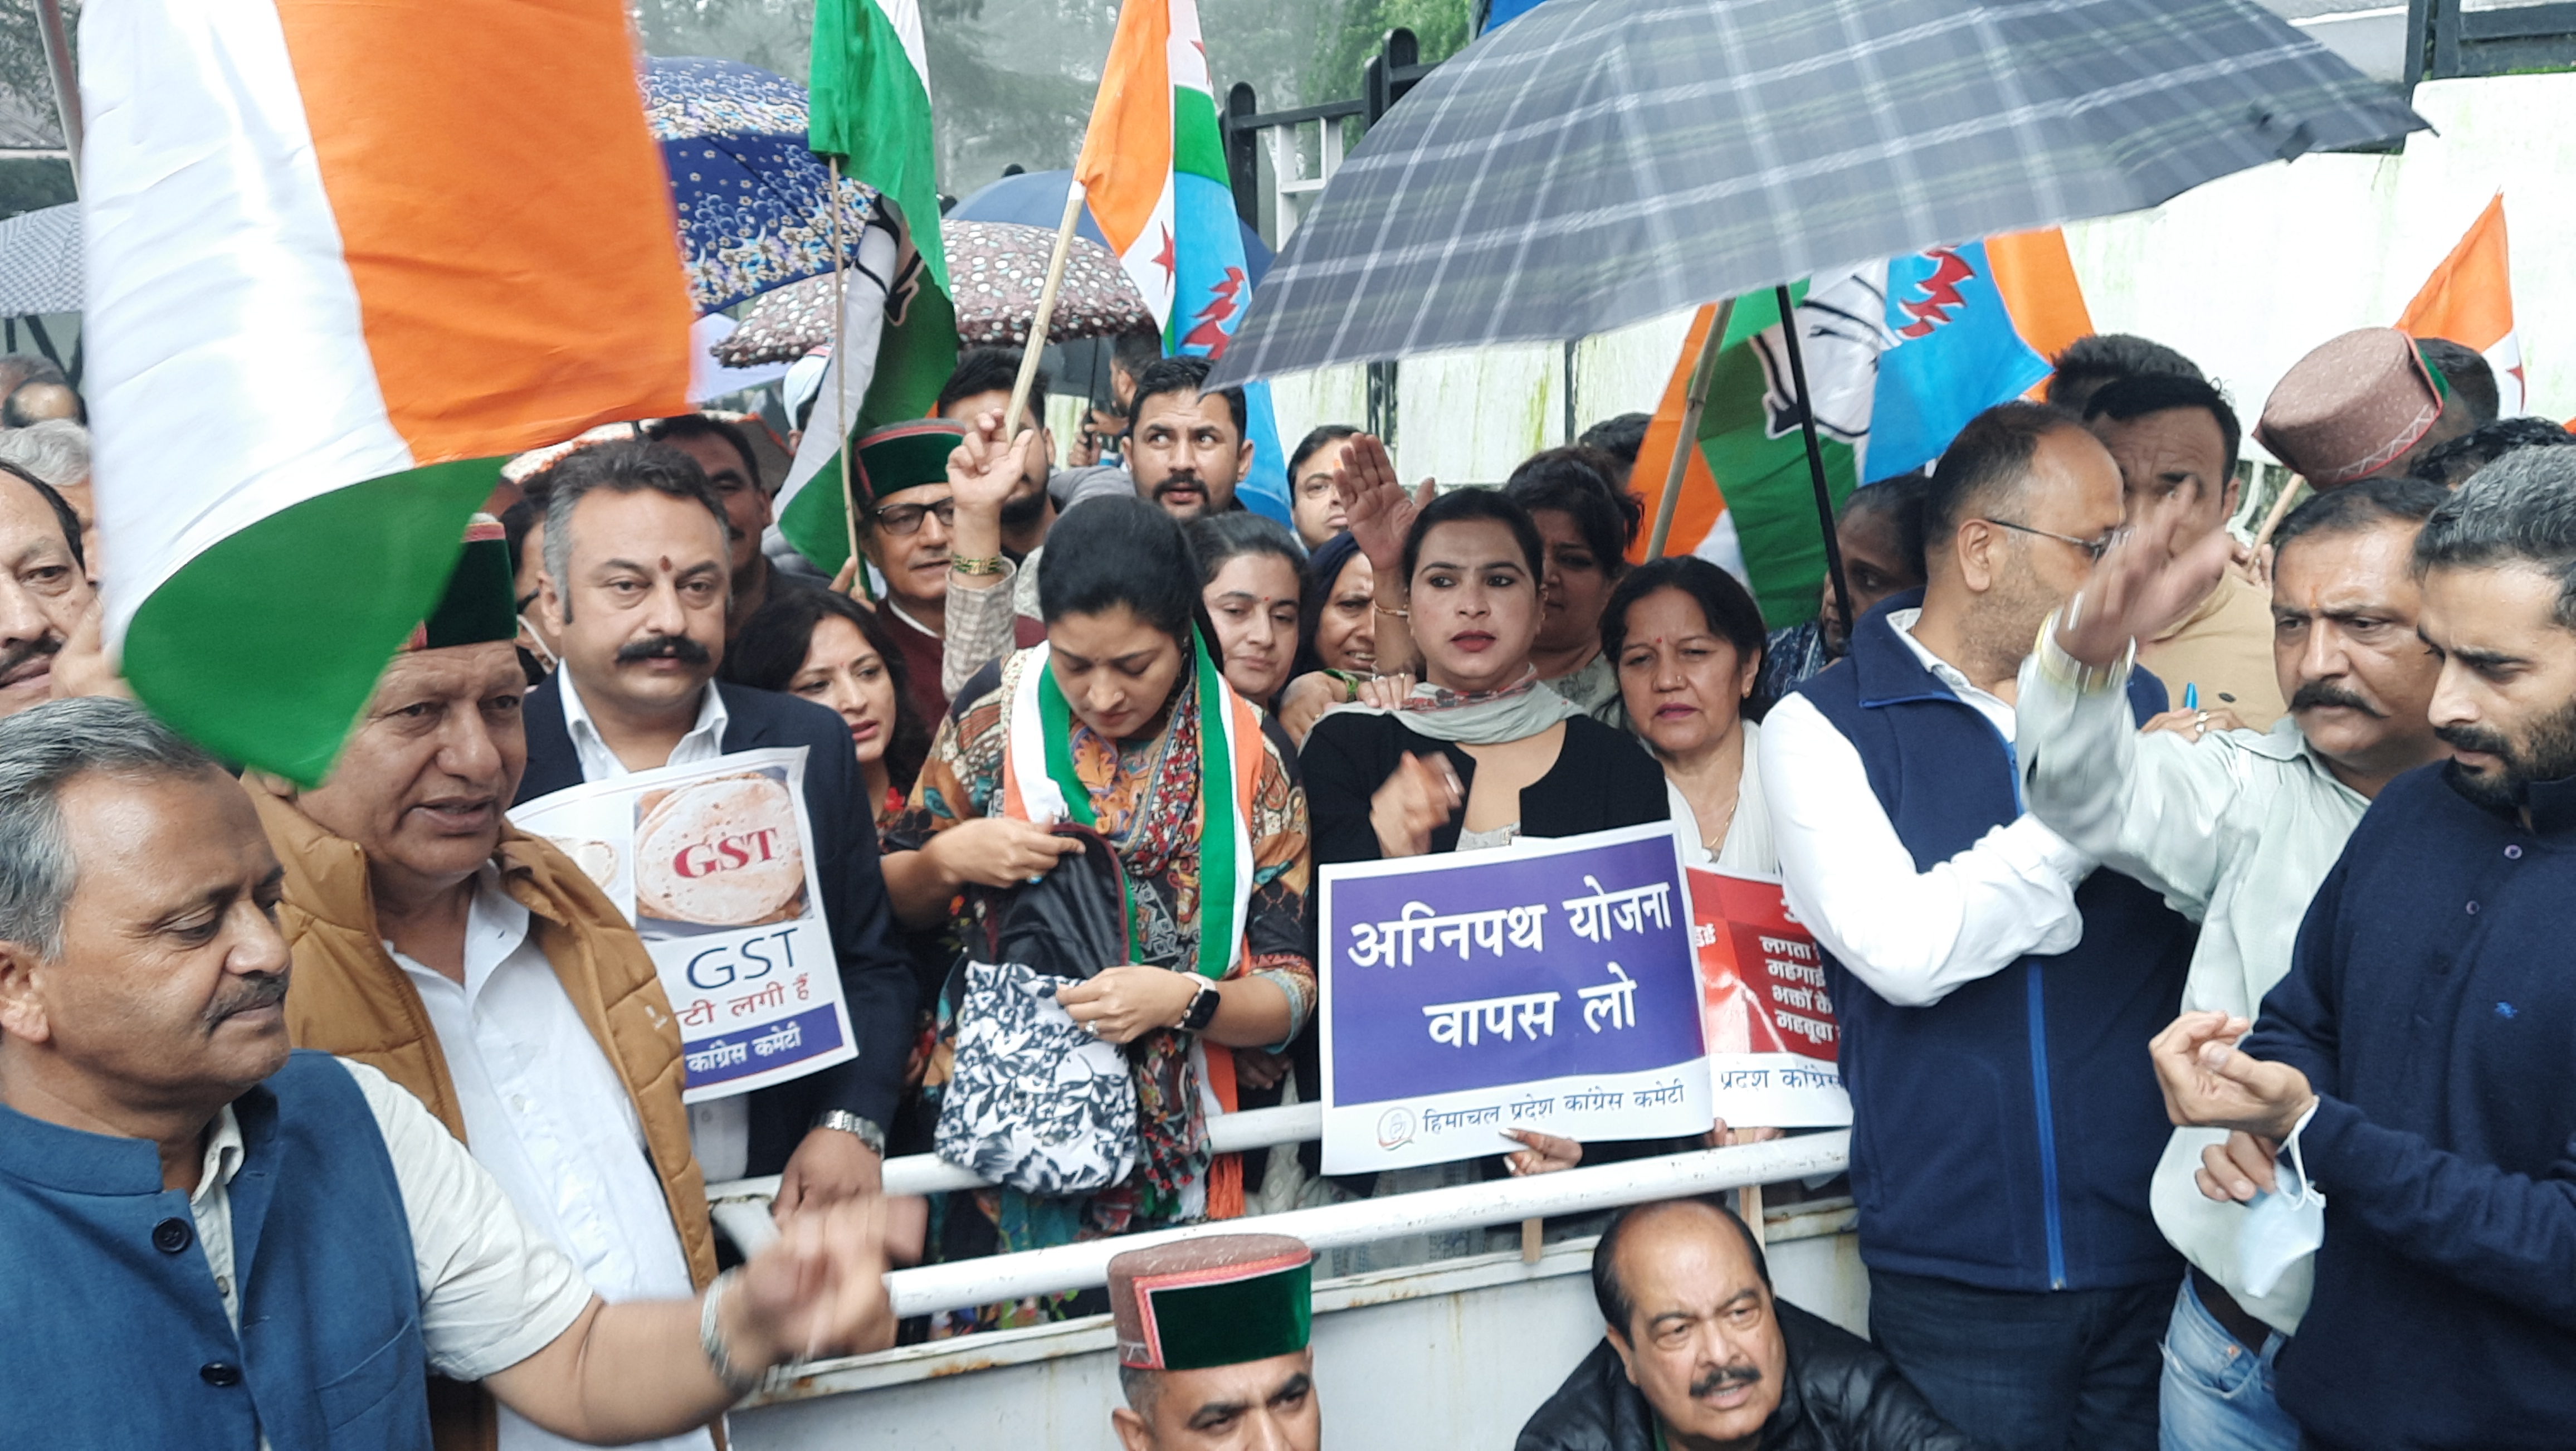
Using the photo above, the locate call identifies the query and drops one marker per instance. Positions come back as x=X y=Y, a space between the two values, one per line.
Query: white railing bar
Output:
x=1230 y=1133
x=1085 y=1265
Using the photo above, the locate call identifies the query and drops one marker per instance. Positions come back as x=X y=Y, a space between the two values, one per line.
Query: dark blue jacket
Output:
x=2432 y=1005
x=112 y=1332
x=2004 y=1136
x=876 y=977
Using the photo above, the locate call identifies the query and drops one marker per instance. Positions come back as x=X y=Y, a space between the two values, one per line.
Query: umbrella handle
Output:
x=1045 y=318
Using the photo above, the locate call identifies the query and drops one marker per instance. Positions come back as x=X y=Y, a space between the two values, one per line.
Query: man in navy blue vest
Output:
x=1993 y=986
x=2414 y=1065
x=214 y=1242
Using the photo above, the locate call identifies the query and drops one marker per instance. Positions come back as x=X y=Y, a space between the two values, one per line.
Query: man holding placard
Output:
x=636 y=573
x=476 y=966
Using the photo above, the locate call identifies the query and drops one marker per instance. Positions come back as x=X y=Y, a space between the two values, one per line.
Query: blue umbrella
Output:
x=753 y=202
x=1036 y=199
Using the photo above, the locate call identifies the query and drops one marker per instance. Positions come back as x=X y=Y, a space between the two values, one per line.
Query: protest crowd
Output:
x=2178 y=875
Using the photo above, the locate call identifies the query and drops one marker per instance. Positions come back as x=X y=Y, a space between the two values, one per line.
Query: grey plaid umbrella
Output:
x=1598 y=162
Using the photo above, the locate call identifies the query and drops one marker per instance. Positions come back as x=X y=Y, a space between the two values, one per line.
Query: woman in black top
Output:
x=1405 y=782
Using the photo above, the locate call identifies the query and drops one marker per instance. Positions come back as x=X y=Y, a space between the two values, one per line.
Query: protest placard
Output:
x=1769 y=1021
x=1545 y=986
x=714 y=866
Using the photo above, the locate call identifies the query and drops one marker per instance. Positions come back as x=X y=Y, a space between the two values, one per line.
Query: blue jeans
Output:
x=2027 y=1371
x=2217 y=1393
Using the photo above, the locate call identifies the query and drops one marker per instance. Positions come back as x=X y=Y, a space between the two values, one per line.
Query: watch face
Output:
x=1202 y=1008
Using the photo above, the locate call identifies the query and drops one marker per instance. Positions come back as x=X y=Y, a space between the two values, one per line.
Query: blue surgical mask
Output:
x=2281 y=1227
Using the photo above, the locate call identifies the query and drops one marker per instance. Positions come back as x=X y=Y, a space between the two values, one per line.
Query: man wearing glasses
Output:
x=907 y=526
x=1993 y=986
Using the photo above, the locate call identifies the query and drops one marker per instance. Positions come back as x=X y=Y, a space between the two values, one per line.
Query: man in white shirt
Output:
x=637 y=553
x=216 y=1243
x=1993 y=987
x=2237 y=829
x=479 y=968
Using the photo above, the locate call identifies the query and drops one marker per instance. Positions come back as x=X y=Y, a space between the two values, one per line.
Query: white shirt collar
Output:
x=704 y=742
x=224 y=1151
x=1987 y=703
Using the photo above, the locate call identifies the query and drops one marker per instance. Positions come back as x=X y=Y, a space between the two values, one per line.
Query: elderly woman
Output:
x=1122 y=718
x=1687 y=642
x=821 y=645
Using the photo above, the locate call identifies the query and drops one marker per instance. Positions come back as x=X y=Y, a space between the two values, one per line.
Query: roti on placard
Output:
x=597 y=859
x=722 y=852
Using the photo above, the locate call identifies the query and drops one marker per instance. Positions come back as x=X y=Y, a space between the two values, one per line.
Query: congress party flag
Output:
x=1899 y=356
x=870 y=106
x=1152 y=169
x=2469 y=300
x=342 y=260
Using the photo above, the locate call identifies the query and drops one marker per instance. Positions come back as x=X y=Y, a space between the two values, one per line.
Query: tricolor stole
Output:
x=1039 y=785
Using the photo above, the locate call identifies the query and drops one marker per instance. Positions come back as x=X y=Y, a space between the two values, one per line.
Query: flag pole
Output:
x=1693 y=400
x=1045 y=316
x=1815 y=459
x=841 y=391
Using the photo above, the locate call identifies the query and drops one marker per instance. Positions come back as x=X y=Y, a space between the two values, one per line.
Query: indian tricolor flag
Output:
x=344 y=256
x=2469 y=300
x=1152 y=170
x=897 y=341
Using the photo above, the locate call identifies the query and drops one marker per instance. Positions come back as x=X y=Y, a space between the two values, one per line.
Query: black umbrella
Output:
x=1598 y=162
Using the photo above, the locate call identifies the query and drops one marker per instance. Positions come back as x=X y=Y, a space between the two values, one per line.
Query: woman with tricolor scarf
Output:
x=1120 y=720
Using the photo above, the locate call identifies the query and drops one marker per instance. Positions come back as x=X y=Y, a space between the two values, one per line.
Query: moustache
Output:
x=2318 y=693
x=260 y=990
x=1725 y=1378
x=1184 y=479
x=663 y=647
x=2478 y=739
x=19 y=654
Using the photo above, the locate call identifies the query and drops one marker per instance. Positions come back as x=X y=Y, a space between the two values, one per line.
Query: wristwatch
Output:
x=865 y=1130
x=1202 y=1009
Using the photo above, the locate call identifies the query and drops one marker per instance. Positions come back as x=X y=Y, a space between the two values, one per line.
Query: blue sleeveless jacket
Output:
x=2004 y=1136
x=111 y=1330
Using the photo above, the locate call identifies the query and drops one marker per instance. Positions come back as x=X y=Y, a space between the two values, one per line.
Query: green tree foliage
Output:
x=1349 y=32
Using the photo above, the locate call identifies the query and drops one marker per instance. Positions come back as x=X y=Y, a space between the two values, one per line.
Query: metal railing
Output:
x=742 y=1207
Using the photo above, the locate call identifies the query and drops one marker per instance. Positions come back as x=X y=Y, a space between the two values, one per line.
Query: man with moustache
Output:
x=478 y=968
x=217 y=1242
x=909 y=516
x=2413 y=1067
x=1988 y=977
x=1700 y=1355
x=2236 y=829
x=1187 y=448
x=636 y=555
x=44 y=586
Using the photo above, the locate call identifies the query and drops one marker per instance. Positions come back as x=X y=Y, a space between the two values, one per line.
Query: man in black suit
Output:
x=637 y=575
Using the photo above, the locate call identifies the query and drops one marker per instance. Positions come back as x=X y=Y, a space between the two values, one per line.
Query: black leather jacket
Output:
x=1842 y=1395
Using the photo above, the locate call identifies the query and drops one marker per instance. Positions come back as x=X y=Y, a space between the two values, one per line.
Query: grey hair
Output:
x=2521 y=509
x=42 y=751
x=1142 y=1387
x=620 y=467
x=56 y=450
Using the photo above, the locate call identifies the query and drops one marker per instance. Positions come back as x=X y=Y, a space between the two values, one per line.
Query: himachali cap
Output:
x=1222 y=1299
x=478 y=606
x=906 y=456
x=2348 y=409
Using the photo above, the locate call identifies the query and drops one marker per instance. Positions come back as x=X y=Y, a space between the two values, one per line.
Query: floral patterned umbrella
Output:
x=994 y=272
x=753 y=202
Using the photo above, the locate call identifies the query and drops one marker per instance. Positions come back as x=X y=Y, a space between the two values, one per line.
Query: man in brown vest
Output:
x=478 y=967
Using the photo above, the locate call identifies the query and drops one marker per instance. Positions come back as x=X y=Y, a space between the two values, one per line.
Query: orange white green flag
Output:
x=2469 y=300
x=342 y=259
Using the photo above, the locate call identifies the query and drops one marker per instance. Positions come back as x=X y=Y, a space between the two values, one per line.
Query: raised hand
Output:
x=2141 y=585
x=984 y=469
x=2208 y=1083
x=1375 y=504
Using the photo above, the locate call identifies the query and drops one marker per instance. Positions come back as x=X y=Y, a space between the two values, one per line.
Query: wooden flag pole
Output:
x=1692 y=402
x=1045 y=316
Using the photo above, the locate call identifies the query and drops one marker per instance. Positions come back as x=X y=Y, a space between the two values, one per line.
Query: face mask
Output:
x=2280 y=1228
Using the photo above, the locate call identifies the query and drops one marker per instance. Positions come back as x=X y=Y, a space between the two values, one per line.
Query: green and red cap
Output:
x=1224 y=1299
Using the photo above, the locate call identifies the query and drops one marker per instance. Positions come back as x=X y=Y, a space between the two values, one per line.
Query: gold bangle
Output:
x=970 y=564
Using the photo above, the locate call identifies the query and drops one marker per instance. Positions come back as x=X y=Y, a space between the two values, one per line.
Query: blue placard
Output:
x=1544 y=986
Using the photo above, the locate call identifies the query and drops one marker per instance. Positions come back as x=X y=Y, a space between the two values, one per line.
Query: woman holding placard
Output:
x=1688 y=643
x=1122 y=721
